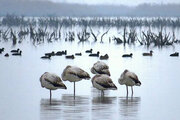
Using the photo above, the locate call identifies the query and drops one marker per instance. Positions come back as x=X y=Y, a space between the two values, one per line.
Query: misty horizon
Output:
x=49 y=8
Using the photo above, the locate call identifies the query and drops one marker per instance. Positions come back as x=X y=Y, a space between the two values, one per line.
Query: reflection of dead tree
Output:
x=60 y=31
x=14 y=38
x=83 y=36
x=70 y=36
x=103 y=35
x=5 y=35
x=124 y=35
x=93 y=34
x=132 y=36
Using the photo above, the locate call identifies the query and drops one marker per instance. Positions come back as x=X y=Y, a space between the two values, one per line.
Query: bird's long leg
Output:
x=74 y=90
x=50 y=96
x=132 y=90
x=127 y=90
x=102 y=93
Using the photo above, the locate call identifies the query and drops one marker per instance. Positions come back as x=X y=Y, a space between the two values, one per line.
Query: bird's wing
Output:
x=78 y=72
x=104 y=81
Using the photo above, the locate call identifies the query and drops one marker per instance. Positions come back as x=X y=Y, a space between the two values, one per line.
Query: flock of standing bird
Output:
x=101 y=80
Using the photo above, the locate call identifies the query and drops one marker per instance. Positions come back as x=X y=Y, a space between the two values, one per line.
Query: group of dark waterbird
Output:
x=101 y=80
x=72 y=56
x=16 y=52
x=96 y=54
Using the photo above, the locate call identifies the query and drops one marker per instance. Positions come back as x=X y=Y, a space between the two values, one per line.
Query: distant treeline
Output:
x=47 y=8
x=13 y=20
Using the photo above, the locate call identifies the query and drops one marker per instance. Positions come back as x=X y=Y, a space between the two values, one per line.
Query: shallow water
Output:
x=23 y=98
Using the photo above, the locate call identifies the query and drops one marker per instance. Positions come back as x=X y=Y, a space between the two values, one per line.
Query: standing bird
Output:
x=129 y=79
x=51 y=82
x=74 y=74
x=100 y=68
x=103 y=82
x=148 y=54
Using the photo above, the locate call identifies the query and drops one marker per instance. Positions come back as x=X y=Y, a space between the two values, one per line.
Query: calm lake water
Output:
x=22 y=97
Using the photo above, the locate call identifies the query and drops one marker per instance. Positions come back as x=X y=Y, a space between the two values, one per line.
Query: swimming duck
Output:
x=127 y=55
x=148 y=54
x=18 y=53
x=105 y=57
x=94 y=54
x=89 y=51
x=70 y=57
x=176 y=54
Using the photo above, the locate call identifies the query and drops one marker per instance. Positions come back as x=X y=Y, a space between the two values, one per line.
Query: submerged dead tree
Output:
x=83 y=36
x=93 y=34
x=103 y=35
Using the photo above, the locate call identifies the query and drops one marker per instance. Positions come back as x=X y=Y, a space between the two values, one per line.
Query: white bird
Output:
x=74 y=74
x=129 y=79
x=51 y=82
x=103 y=82
x=100 y=68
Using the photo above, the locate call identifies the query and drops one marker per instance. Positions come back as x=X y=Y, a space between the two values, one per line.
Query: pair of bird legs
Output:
x=102 y=92
x=51 y=93
x=131 y=90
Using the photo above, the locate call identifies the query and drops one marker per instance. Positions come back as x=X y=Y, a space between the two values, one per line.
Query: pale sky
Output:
x=115 y=2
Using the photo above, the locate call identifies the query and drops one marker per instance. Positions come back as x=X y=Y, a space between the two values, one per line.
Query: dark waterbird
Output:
x=127 y=55
x=105 y=57
x=89 y=51
x=6 y=55
x=60 y=53
x=64 y=52
x=1 y=50
x=52 y=53
x=15 y=51
x=148 y=54
x=176 y=54
x=94 y=54
x=78 y=54
x=18 y=53
x=46 y=57
x=70 y=57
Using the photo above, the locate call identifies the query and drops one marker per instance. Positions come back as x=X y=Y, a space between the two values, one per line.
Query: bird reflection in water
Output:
x=103 y=107
x=129 y=107
x=65 y=108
